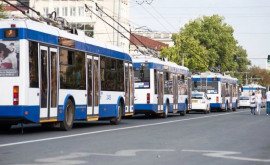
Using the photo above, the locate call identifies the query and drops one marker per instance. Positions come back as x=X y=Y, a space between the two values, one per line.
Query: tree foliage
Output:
x=207 y=43
x=259 y=75
x=2 y=9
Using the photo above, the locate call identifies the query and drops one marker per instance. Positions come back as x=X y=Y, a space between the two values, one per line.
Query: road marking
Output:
x=226 y=155
x=116 y=129
x=70 y=159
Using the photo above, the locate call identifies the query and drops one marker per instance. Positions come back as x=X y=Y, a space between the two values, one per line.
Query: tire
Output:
x=165 y=114
x=116 y=120
x=4 y=127
x=67 y=124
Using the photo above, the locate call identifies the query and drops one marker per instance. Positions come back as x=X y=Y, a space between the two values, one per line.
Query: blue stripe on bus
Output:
x=181 y=106
x=253 y=88
x=204 y=79
x=218 y=79
x=40 y=36
x=216 y=105
x=107 y=110
x=80 y=112
x=145 y=107
x=24 y=33
x=18 y=112
x=152 y=65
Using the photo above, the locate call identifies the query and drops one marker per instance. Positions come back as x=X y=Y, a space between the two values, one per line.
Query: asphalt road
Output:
x=234 y=138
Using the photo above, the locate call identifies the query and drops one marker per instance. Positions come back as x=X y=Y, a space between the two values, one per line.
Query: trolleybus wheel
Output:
x=116 y=120
x=67 y=124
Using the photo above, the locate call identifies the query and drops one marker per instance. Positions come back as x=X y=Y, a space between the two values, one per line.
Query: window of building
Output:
x=88 y=28
x=73 y=11
x=81 y=11
x=57 y=11
x=45 y=11
x=64 y=11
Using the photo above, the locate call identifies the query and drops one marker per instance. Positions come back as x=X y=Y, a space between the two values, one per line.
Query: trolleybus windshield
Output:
x=209 y=87
x=142 y=78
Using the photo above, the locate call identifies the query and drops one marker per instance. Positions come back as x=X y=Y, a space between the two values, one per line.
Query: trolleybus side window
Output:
x=72 y=69
x=168 y=83
x=155 y=79
x=120 y=75
x=33 y=64
x=112 y=74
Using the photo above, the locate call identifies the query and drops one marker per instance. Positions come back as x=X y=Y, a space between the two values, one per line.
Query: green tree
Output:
x=207 y=43
x=259 y=75
x=2 y=9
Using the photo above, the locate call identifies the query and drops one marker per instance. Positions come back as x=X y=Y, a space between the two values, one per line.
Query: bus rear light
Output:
x=16 y=95
x=217 y=99
x=148 y=98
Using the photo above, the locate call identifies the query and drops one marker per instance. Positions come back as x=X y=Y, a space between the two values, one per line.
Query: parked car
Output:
x=244 y=102
x=200 y=102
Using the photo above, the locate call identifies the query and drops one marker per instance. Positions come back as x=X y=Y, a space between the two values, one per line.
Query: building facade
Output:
x=75 y=12
x=163 y=37
x=145 y=44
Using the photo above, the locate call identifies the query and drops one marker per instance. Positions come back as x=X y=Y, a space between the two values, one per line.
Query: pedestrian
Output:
x=268 y=102
x=252 y=103
x=258 y=101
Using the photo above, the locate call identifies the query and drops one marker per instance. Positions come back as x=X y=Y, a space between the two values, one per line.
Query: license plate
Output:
x=194 y=101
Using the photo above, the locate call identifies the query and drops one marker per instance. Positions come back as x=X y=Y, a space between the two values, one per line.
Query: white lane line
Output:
x=116 y=129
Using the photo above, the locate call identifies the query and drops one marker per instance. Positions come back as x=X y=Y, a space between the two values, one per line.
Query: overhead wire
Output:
x=163 y=17
x=123 y=28
x=155 y=18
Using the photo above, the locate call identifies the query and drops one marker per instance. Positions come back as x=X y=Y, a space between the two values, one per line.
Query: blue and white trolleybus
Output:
x=52 y=75
x=160 y=87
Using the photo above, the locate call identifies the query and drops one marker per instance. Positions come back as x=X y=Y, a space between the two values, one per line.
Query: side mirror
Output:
x=209 y=98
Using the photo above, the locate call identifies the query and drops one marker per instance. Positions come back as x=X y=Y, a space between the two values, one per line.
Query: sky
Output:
x=250 y=20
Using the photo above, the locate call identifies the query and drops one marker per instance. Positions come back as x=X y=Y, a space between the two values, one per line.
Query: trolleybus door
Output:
x=93 y=86
x=160 y=90
x=231 y=95
x=48 y=80
x=131 y=88
x=189 y=93
x=175 y=92
x=128 y=88
x=223 y=94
